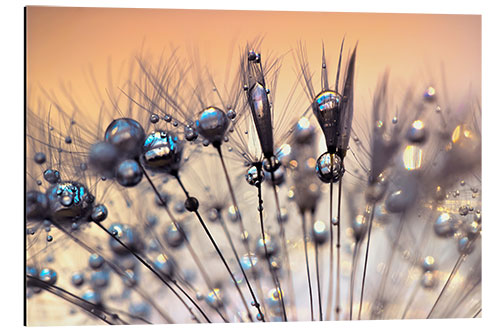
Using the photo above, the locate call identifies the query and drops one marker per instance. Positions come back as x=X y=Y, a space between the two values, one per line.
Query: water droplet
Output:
x=93 y=297
x=99 y=213
x=212 y=124
x=126 y=135
x=428 y=280
x=77 y=279
x=329 y=168
x=444 y=225
x=162 y=152
x=48 y=275
x=430 y=94
x=128 y=173
x=96 y=261
x=154 y=118
x=40 y=158
x=428 y=263
x=231 y=114
x=52 y=176
x=253 y=176
x=463 y=210
x=417 y=132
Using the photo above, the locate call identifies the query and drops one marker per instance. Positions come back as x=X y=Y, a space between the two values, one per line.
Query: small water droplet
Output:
x=154 y=118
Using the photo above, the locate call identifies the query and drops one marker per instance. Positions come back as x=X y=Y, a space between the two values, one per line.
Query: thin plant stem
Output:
x=330 y=260
x=148 y=266
x=92 y=309
x=118 y=271
x=354 y=265
x=462 y=300
x=318 y=275
x=304 y=237
x=245 y=240
x=283 y=242
x=266 y=252
x=233 y=248
x=392 y=254
x=337 y=290
x=217 y=249
x=450 y=278
x=413 y=295
x=191 y=251
x=365 y=265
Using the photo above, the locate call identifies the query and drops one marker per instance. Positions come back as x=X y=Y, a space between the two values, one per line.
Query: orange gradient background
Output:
x=62 y=43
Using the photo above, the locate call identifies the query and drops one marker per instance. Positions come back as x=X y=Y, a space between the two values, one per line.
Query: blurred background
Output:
x=63 y=43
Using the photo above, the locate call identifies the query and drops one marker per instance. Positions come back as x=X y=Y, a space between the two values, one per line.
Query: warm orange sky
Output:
x=63 y=42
